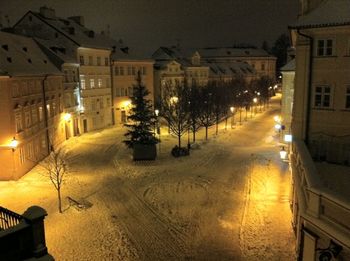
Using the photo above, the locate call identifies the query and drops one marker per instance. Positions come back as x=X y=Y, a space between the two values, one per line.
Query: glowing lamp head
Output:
x=232 y=109
x=278 y=126
x=277 y=118
x=67 y=117
x=255 y=100
x=174 y=99
x=156 y=112
x=13 y=143
x=126 y=103
x=283 y=153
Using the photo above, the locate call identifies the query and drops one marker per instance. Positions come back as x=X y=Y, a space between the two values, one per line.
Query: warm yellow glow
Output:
x=232 y=109
x=14 y=143
x=277 y=118
x=255 y=100
x=174 y=99
x=156 y=112
x=126 y=103
x=67 y=117
x=278 y=126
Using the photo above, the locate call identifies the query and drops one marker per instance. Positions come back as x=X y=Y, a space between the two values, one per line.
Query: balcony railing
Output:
x=8 y=218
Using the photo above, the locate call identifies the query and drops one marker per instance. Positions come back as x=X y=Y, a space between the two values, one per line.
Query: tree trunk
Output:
x=59 y=200
x=179 y=140
x=206 y=132
x=194 y=135
x=226 y=123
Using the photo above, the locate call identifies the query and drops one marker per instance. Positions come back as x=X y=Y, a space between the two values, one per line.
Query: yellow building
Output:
x=320 y=158
x=31 y=102
x=125 y=69
x=90 y=50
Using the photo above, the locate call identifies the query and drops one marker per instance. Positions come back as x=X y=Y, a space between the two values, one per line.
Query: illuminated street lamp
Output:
x=232 y=109
x=283 y=153
x=255 y=100
x=67 y=117
x=278 y=126
x=13 y=144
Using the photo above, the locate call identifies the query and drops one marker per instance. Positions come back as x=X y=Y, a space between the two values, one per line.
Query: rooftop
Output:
x=328 y=13
x=212 y=52
x=21 y=56
x=290 y=66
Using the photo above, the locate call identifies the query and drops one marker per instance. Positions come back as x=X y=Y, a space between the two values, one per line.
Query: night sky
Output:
x=148 y=24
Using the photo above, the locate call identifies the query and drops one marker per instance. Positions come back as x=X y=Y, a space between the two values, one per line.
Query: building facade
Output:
x=92 y=51
x=321 y=127
x=32 y=106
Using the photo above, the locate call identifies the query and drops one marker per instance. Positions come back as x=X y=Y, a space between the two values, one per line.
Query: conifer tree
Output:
x=142 y=119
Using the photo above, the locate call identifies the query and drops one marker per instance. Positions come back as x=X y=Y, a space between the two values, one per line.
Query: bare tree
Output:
x=207 y=115
x=55 y=168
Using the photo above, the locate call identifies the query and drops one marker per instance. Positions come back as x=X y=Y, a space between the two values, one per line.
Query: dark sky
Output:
x=148 y=24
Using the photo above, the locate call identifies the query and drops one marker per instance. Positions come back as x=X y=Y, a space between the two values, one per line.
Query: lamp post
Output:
x=13 y=144
x=232 y=109
x=255 y=100
x=283 y=153
x=156 y=112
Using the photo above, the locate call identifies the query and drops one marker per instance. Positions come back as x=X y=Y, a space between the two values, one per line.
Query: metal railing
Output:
x=8 y=218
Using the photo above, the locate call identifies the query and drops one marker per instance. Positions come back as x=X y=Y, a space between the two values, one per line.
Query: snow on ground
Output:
x=228 y=200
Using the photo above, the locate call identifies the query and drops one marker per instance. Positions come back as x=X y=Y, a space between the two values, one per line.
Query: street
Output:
x=228 y=200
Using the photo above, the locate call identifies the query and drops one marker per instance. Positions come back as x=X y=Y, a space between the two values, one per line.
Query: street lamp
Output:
x=67 y=117
x=232 y=109
x=283 y=153
x=13 y=144
x=255 y=100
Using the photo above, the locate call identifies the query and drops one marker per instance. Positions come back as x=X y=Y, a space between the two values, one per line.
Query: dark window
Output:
x=325 y=47
x=106 y=61
x=347 y=103
x=116 y=70
x=322 y=98
x=81 y=58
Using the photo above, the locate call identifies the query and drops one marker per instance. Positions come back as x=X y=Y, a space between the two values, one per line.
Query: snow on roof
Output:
x=78 y=33
x=21 y=56
x=231 y=69
x=328 y=13
x=290 y=66
x=212 y=52
x=182 y=56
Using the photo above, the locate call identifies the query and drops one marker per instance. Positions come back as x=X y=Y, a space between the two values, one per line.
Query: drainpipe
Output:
x=46 y=117
x=308 y=107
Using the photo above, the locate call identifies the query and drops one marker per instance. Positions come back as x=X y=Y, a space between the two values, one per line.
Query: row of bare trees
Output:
x=190 y=108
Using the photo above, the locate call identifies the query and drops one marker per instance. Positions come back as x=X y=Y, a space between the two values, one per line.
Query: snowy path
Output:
x=227 y=201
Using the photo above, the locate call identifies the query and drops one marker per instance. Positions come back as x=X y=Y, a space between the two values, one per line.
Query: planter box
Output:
x=144 y=152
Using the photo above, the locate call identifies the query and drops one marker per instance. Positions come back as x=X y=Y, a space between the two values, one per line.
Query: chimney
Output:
x=47 y=12
x=78 y=19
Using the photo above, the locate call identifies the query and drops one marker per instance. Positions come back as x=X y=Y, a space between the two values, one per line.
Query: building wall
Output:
x=287 y=99
x=124 y=78
x=95 y=83
x=35 y=120
x=331 y=71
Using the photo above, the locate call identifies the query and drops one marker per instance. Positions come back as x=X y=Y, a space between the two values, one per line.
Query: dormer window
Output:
x=29 y=60
x=25 y=49
x=5 y=47
x=9 y=59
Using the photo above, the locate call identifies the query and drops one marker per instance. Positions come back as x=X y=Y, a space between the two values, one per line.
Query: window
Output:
x=98 y=61
x=117 y=92
x=92 y=83
x=347 y=103
x=122 y=91
x=48 y=110
x=81 y=59
x=116 y=70
x=93 y=104
x=108 y=102
x=322 y=96
x=106 y=61
x=27 y=119
x=130 y=91
x=66 y=75
x=99 y=83
x=54 y=112
x=41 y=116
x=34 y=115
x=263 y=67
x=90 y=60
x=129 y=70
x=325 y=47
x=133 y=70
x=121 y=69
x=19 y=124
x=82 y=84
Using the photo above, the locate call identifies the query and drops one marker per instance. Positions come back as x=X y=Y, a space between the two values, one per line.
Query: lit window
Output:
x=325 y=47
x=41 y=116
x=82 y=84
x=99 y=83
x=92 y=83
x=347 y=103
x=322 y=97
